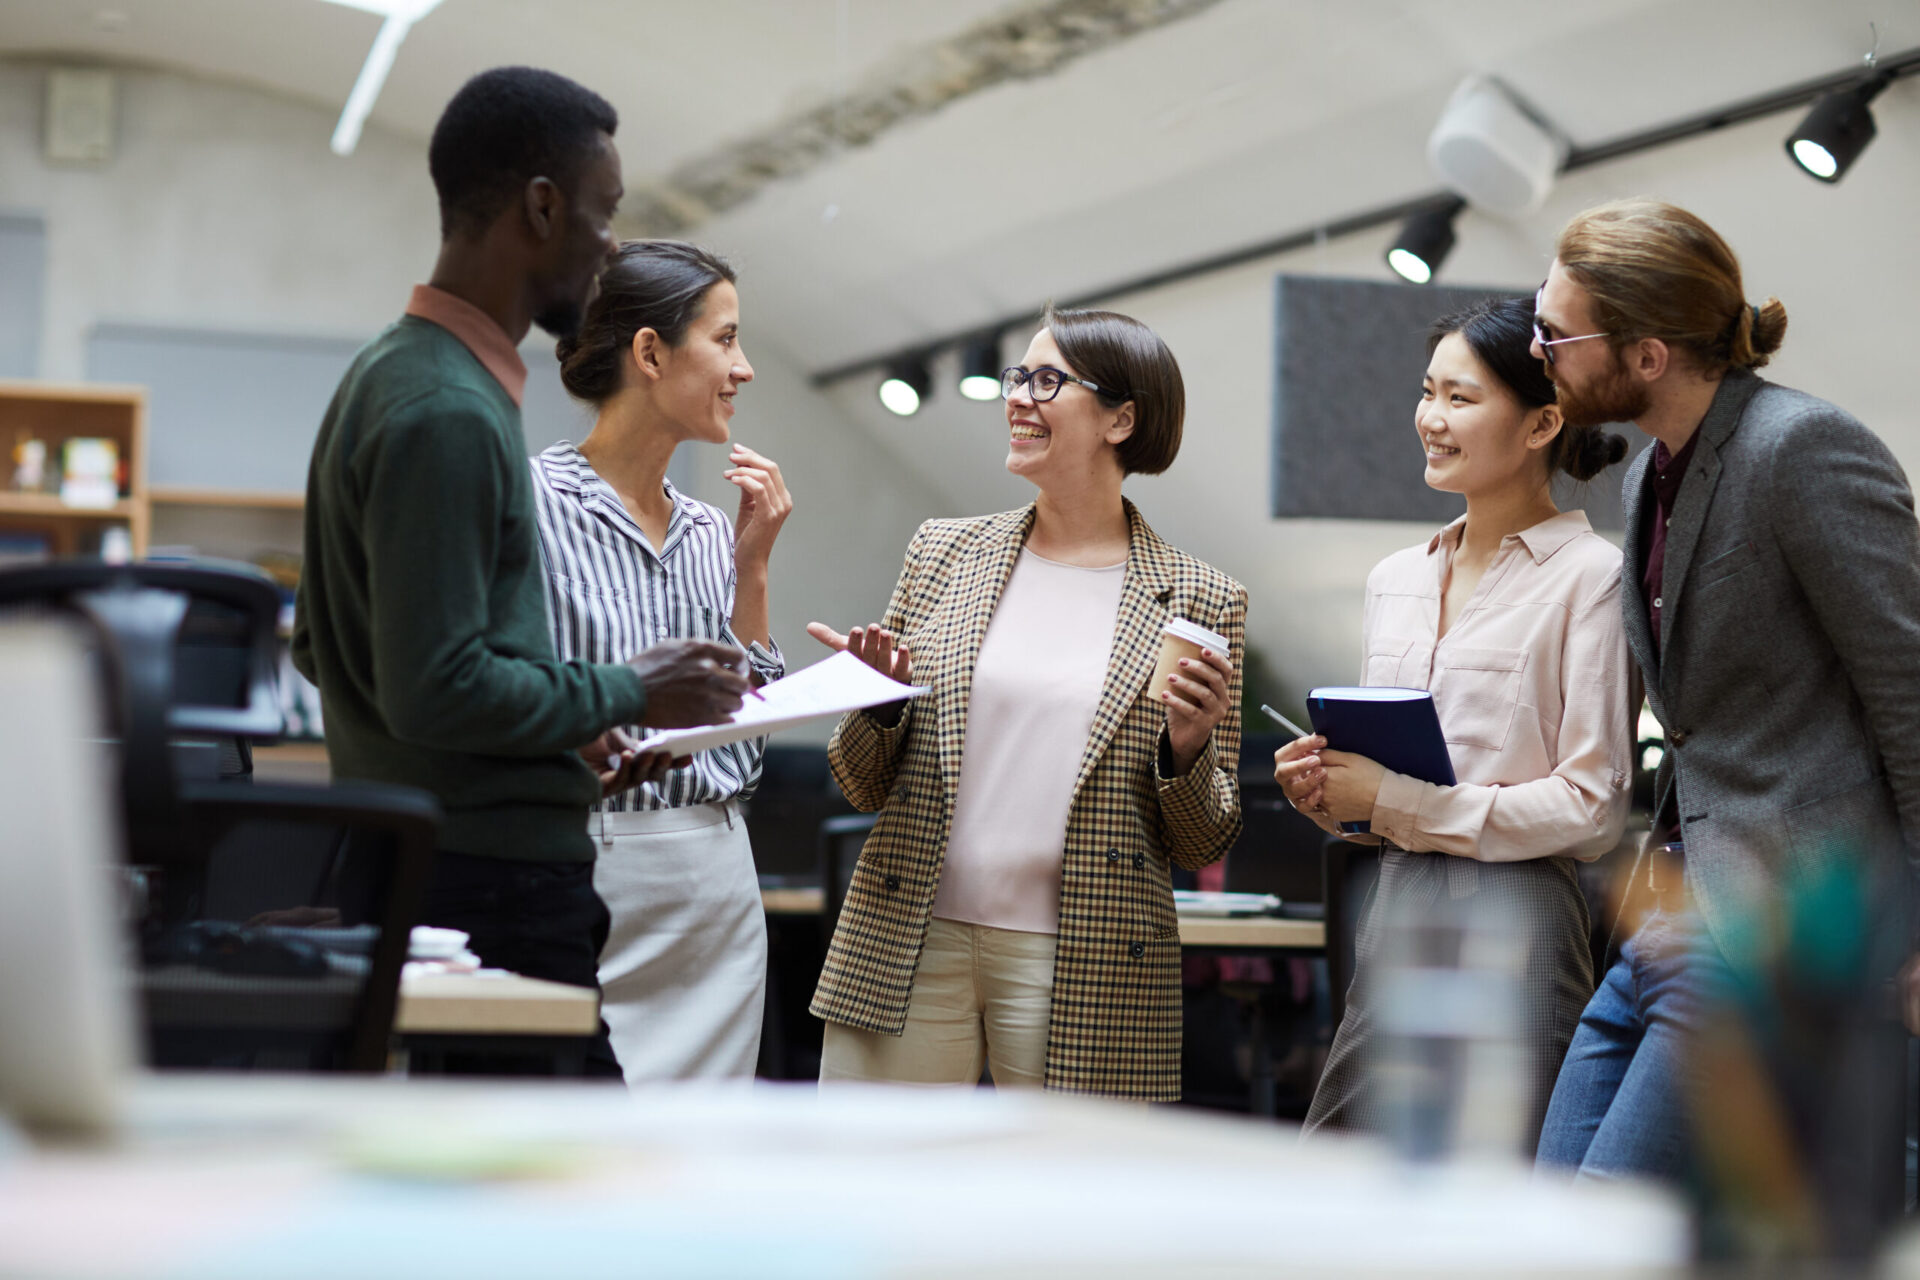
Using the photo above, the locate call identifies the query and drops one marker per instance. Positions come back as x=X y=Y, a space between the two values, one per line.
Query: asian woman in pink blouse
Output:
x=1511 y=617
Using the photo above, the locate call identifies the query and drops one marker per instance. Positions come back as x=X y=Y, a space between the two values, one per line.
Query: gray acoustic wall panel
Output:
x=23 y=284
x=235 y=411
x=1348 y=359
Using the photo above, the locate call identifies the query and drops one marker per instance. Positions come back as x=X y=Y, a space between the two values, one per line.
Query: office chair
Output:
x=1277 y=852
x=796 y=793
x=189 y=653
x=274 y=920
x=288 y=953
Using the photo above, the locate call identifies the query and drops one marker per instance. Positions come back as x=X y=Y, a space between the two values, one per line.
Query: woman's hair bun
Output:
x=1589 y=451
x=649 y=284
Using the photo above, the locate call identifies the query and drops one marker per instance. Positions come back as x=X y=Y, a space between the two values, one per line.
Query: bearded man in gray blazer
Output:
x=1772 y=602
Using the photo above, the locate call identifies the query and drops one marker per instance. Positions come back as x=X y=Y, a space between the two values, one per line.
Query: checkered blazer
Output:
x=1115 y=1026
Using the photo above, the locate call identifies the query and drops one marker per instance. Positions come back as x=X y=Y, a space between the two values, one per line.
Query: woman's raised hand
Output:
x=872 y=644
x=764 y=505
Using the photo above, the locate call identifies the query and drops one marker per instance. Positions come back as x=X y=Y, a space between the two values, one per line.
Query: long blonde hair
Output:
x=1653 y=270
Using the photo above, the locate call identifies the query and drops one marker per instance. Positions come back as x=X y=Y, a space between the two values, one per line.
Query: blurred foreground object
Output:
x=1799 y=1084
x=66 y=1029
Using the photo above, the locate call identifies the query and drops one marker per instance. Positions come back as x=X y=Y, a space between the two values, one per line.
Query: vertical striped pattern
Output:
x=609 y=596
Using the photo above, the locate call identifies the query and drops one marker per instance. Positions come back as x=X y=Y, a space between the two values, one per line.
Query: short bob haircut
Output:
x=1125 y=356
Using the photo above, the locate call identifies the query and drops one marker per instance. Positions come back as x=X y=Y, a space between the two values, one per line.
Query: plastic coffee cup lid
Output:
x=1194 y=633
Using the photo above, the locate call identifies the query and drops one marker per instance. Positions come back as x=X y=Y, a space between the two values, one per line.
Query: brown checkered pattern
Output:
x=1116 y=990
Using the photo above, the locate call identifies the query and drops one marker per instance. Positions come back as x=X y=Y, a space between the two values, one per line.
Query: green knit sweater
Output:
x=422 y=615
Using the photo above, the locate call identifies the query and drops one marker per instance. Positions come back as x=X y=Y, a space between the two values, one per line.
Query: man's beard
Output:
x=1615 y=396
x=562 y=317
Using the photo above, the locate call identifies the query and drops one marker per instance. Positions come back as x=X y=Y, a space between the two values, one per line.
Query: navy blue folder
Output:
x=1396 y=727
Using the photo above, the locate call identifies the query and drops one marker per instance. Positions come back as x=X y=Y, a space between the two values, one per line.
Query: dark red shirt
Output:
x=1669 y=469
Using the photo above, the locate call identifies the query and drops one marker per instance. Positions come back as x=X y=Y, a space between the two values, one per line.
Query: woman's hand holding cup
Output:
x=1192 y=678
x=1195 y=697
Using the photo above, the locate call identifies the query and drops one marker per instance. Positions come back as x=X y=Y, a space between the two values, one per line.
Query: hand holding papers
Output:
x=834 y=687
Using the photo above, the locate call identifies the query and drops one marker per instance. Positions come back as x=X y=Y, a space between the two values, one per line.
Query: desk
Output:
x=1252 y=933
x=1225 y=933
x=470 y=1004
x=315 y=1178
x=441 y=1013
x=794 y=902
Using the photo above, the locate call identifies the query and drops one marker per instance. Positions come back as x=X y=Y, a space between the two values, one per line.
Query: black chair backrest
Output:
x=796 y=794
x=283 y=945
x=191 y=651
x=1278 y=850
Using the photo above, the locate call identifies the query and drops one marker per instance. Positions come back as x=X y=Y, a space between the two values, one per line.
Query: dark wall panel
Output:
x=1348 y=359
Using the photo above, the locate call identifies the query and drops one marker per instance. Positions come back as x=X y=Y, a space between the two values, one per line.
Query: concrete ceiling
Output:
x=1248 y=120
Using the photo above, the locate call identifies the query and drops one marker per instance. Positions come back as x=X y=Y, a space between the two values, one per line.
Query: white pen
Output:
x=1285 y=723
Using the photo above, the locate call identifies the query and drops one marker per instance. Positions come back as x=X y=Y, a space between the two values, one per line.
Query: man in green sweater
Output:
x=421 y=614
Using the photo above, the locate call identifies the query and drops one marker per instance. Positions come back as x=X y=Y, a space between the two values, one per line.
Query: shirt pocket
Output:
x=690 y=620
x=1477 y=692
x=1384 y=656
x=580 y=589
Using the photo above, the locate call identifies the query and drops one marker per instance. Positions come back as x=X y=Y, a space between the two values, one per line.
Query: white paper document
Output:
x=833 y=687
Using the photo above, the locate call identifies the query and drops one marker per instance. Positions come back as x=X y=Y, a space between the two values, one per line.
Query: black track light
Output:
x=1425 y=240
x=1837 y=130
x=906 y=385
x=980 y=369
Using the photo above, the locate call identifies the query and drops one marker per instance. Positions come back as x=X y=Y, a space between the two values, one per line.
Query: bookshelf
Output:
x=54 y=413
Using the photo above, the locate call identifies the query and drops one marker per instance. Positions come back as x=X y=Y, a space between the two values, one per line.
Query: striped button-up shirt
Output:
x=610 y=594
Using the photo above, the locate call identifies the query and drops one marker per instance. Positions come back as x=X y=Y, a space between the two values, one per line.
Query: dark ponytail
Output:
x=650 y=284
x=1499 y=331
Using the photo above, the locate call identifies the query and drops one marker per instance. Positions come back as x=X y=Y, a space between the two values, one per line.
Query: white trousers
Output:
x=981 y=997
x=683 y=977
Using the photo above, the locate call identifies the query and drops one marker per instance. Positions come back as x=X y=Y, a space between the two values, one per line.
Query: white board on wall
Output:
x=234 y=411
x=239 y=411
x=23 y=282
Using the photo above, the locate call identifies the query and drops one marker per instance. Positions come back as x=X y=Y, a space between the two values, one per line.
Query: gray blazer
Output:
x=1788 y=676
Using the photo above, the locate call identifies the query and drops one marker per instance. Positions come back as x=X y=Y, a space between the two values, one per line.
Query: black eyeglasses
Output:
x=1044 y=383
x=1540 y=331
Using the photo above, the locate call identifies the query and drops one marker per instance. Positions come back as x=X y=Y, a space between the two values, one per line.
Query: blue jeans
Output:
x=1619 y=1106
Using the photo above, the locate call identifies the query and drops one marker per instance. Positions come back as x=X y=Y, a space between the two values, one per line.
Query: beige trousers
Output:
x=981 y=997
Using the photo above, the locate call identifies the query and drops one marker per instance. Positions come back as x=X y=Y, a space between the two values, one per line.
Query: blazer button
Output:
x=1113 y=855
x=1678 y=737
x=1139 y=862
x=1136 y=949
x=893 y=882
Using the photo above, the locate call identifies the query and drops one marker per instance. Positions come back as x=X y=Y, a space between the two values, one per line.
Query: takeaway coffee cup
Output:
x=1181 y=639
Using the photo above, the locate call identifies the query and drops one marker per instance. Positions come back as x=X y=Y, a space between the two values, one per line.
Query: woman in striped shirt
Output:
x=631 y=561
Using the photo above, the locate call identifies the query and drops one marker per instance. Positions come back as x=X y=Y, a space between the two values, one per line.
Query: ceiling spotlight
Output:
x=980 y=369
x=1425 y=240
x=906 y=385
x=1837 y=130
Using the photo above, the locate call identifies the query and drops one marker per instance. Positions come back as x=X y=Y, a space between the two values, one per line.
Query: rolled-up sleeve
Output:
x=1579 y=808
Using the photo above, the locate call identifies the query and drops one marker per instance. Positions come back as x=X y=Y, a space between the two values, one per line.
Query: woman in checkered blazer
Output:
x=1013 y=908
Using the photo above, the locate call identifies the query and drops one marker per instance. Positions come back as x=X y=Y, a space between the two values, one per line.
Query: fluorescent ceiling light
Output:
x=400 y=16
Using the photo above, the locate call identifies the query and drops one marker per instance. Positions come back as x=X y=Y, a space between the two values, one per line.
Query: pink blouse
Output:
x=1531 y=683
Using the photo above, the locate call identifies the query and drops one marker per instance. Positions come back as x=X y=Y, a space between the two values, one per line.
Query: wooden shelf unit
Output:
x=56 y=412
x=227 y=498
